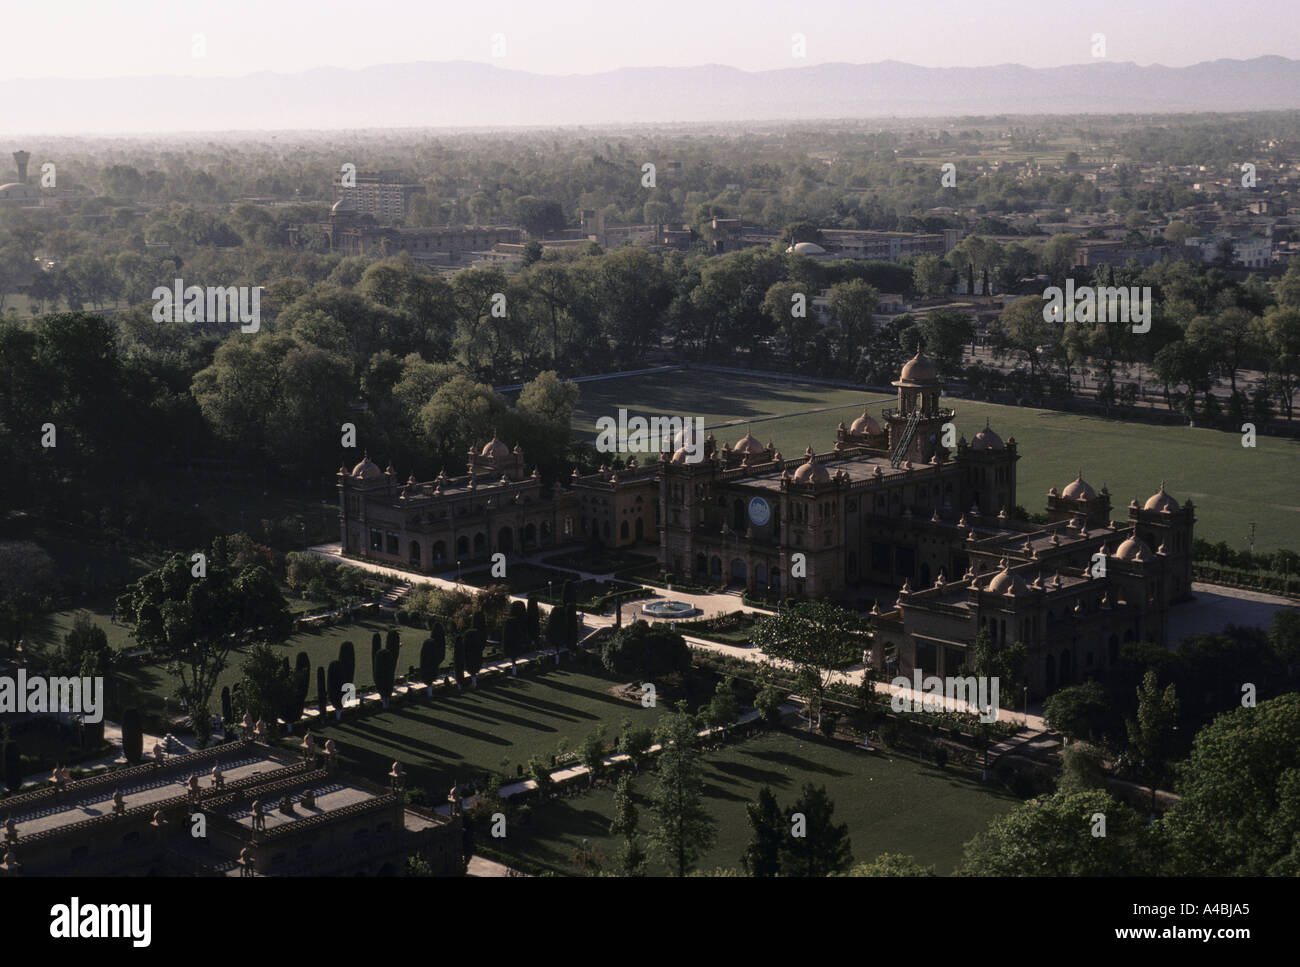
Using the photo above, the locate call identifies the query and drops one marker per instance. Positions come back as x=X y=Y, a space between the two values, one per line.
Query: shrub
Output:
x=645 y=651
x=540 y=768
x=827 y=724
x=769 y=702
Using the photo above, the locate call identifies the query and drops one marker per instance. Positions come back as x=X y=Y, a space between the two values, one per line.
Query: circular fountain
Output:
x=669 y=609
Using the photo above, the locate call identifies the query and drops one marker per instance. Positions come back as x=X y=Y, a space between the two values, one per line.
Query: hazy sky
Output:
x=91 y=38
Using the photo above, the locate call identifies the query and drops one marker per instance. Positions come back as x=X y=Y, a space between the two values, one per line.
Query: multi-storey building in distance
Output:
x=383 y=194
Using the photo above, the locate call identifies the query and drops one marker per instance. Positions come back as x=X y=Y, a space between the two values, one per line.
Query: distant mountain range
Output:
x=466 y=94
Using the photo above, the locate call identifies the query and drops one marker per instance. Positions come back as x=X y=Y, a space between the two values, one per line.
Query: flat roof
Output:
x=167 y=783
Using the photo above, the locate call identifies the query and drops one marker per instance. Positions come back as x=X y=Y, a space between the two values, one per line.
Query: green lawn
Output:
x=156 y=684
x=48 y=630
x=492 y=729
x=890 y=805
x=735 y=628
x=1230 y=485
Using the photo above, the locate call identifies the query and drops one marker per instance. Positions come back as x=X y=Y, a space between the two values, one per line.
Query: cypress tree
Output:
x=348 y=659
x=336 y=682
x=432 y=653
x=132 y=736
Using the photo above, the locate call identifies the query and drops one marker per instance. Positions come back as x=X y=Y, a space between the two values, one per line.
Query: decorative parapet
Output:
x=117 y=777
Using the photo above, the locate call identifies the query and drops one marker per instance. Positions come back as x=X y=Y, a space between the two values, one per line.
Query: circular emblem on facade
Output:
x=760 y=512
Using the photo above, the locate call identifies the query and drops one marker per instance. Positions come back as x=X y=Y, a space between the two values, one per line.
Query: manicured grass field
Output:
x=47 y=631
x=156 y=684
x=890 y=805
x=1231 y=486
x=492 y=729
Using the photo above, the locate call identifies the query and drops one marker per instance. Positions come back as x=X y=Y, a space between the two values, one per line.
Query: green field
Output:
x=494 y=728
x=892 y=805
x=1231 y=486
x=156 y=684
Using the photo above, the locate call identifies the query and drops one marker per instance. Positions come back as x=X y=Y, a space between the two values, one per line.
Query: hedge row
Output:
x=1255 y=580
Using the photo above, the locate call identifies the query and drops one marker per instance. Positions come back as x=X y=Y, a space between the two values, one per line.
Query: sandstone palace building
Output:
x=888 y=517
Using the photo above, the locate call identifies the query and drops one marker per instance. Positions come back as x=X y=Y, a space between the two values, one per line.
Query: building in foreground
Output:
x=314 y=821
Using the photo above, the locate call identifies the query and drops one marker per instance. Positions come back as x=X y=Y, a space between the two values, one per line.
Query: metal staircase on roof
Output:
x=905 y=441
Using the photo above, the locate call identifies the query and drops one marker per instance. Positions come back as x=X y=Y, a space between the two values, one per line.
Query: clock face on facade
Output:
x=760 y=512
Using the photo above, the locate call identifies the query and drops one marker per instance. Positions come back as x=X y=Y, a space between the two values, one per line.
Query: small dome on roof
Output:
x=684 y=437
x=1133 y=549
x=806 y=248
x=1161 y=501
x=812 y=472
x=496 y=449
x=1005 y=582
x=748 y=444
x=986 y=439
x=1078 y=489
x=918 y=369
x=865 y=426
x=367 y=469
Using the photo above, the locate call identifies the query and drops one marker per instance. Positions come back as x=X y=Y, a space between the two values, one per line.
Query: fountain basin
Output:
x=669 y=609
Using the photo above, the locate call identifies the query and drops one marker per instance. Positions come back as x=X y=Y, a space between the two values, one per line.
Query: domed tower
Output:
x=915 y=426
x=1077 y=500
x=990 y=480
x=749 y=451
x=1166 y=528
x=353 y=486
x=496 y=460
x=864 y=432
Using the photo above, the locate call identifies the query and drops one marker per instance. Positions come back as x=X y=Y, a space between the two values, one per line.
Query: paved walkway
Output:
x=478 y=866
x=710 y=604
x=1217 y=606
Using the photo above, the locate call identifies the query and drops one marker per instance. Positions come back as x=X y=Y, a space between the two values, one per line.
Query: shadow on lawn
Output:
x=712 y=791
x=802 y=763
x=552 y=839
x=477 y=712
x=552 y=681
x=752 y=774
x=518 y=693
x=398 y=740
